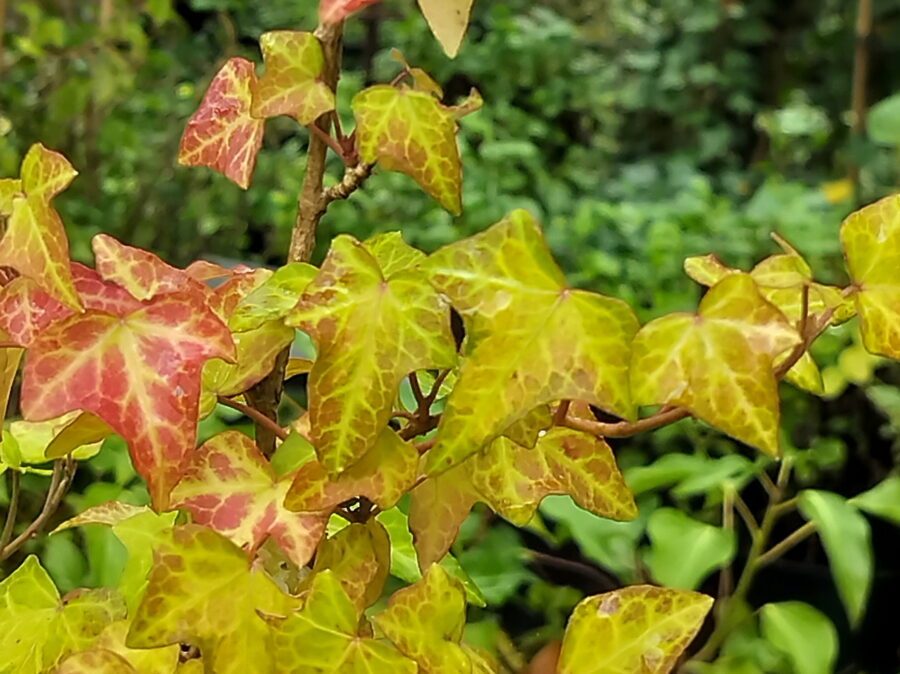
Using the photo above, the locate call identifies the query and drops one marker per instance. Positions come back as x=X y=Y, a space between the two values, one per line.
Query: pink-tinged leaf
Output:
x=35 y=242
x=140 y=272
x=140 y=373
x=230 y=487
x=292 y=84
x=203 y=270
x=383 y=475
x=335 y=11
x=222 y=134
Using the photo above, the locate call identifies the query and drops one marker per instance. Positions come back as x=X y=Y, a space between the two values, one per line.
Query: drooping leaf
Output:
x=871 y=242
x=35 y=242
x=274 y=298
x=882 y=500
x=359 y=556
x=426 y=620
x=291 y=84
x=411 y=132
x=718 y=364
x=334 y=11
x=201 y=590
x=38 y=628
x=513 y=480
x=229 y=486
x=448 y=20
x=326 y=636
x=370 y=330
x=384 y=474
x=803 y=634
x=223 y=134
x=846 y=536
x=641 y=629
x=35 y=439
x=532 y=340
x=684 y=551
x=140 y=373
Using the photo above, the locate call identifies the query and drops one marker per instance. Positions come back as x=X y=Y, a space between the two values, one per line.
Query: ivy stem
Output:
x=258 y=417
x=9 y=525
x=794 y=539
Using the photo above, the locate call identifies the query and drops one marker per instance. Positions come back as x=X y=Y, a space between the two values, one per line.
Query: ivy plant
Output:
x=273 y=553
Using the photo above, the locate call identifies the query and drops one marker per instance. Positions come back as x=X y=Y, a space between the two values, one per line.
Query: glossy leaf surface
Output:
x=802 y=633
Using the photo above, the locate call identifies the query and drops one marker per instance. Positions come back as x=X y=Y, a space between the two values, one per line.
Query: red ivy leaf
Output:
x=222 y=134
x=139 y=372
x=333 y=11
x=230 y=487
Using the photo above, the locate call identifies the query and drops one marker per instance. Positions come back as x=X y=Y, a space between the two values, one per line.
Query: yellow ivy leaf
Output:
x=10 y=357
x=371 y=330
x=871 y=241
x=532 y=340
x=513 y=480
x=718 y=364
x=635 y=629
x=448 y=20
x=144 y=660
x=273 y=299
x=411 y=132
x=96 y=661
x=291 y=84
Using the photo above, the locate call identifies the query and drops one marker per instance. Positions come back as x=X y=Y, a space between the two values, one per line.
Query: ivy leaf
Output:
x=846 y=536
x=532 y=339
x=513 y=480
x=140 y=373
x=230 y=487
x=718 y=364
x=325 y=636
x=109 y=514
x=871 y=241
x=448 y=20
x=201 y=590
x=334 y=11
x=10 y=188
x=291 y=84
x=802 y=633
x=97 y=661
x=35 y=242
x=10 y=357
x=384 y=474
x=370 y=331
x=411 y=132
x=35 y=439
x=359 y=556
x=684 y=551
x=642 y=629
x=426 y=621
x=274 y=298
x=222 y=134
x=38 y=628
x=882 y=500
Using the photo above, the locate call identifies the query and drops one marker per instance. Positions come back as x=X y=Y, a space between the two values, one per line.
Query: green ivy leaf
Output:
x=684 y=551
x=846 y=536
x=641 y=629
x=532 y=340
x=38 y=628
x=803 y=634
x=882 y=500
x=883 y=121
x=371 y=330
x=272 y=300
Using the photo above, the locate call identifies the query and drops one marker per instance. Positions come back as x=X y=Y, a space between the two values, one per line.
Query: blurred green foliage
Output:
x=639 y=131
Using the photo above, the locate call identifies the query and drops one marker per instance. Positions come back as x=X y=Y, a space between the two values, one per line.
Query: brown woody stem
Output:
x=9 y=525
x=258 y=417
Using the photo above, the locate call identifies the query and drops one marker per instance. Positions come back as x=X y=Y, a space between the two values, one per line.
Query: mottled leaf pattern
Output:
x=513 y=480
x=411 y=132
x=370 y=330
x=718 y=363
x=38 y=628
x=201 y=590
x=384 y=474
x=35 y=242
x=426 y=620
x=96 y=661
x=641 y=629
x=871 y=241
x=325 y=636
x=448 y=20
x=531 y=339
x=139 y=373
x=223 y=134
x=229 y=486
x=291 y=84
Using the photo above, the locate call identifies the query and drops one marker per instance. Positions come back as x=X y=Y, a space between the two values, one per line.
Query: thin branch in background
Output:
x=726 y=577
x=779 y=549
x=746 y=515
x=13 y=511
x=860 y=86
x=3 y=12
x=416 y=389
x=592 y=573
x=257 y=416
